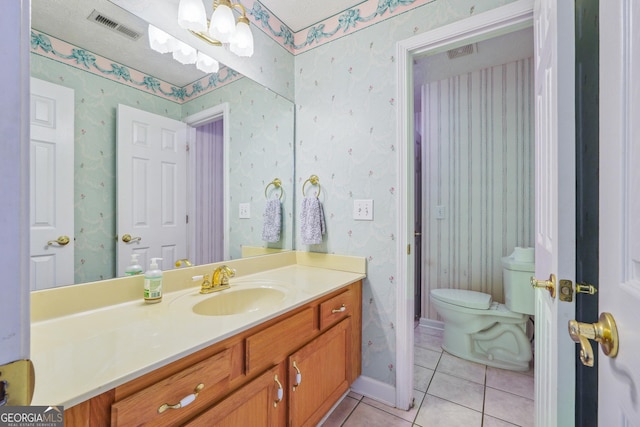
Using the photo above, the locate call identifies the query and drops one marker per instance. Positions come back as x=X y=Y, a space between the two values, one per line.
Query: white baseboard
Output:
x=377 y=390
x=428 y=323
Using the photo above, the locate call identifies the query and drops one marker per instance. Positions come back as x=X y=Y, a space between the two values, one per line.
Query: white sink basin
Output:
x=240 y=300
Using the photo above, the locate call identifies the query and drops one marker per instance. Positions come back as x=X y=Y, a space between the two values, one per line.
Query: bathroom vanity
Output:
x=284 y=363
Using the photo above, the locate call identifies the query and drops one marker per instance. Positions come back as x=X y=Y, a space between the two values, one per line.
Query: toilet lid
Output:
x=463 y=298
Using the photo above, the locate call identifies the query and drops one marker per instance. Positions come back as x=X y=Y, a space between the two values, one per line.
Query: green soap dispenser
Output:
x=134 y=268
x=153 y=283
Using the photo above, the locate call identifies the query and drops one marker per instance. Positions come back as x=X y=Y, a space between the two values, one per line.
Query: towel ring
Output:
x=314 y=180
x=277 y=184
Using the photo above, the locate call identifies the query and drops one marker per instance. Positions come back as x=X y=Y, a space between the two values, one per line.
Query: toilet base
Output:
x=484 y=360
x=503 y=346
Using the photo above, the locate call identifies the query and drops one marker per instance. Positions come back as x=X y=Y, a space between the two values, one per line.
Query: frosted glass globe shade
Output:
x=223 y=24
x=192 y=16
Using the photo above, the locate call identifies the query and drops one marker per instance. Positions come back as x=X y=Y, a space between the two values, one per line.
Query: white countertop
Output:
x=83 y=354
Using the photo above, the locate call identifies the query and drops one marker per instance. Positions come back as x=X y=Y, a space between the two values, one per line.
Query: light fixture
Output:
x=222 y=29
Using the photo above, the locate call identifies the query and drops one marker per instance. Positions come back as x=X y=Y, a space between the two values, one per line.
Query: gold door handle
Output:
x=603 y=331
x=62 y=241
x=549 y=285
x=128 y=239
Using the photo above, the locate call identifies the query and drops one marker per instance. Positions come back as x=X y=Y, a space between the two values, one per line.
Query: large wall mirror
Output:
x=260 y=127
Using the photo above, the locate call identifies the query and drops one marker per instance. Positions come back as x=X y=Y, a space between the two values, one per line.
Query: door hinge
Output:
x=17 y=382
x=187 y=147
x=409 y=249
x=187 y=220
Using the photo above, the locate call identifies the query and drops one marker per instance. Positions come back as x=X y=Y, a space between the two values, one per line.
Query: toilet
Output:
x=484 y=331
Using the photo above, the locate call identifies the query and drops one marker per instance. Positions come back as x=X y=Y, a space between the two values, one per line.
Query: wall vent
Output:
x=460 y=51
x=113 y=25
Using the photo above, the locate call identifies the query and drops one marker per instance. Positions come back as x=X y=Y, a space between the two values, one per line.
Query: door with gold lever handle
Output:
x=603 y=331
x=549 y=285
x=62 y=241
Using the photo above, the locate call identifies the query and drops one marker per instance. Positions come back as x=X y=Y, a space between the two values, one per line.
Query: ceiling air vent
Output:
x=113 y=25
x=460 y=51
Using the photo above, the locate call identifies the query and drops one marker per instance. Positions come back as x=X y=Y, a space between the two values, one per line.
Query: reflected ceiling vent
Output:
x=113 y=25
x=460 y=51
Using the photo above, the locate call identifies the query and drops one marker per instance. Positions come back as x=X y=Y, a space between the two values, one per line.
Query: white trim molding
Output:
x=501 y=20
x=376 y=390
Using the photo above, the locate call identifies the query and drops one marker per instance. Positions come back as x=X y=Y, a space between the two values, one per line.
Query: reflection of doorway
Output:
x=207 y=152
x=208 y=179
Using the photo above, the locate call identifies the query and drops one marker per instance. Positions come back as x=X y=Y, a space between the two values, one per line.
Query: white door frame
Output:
x=193 y=121
x=14 y=183
x=502 y=20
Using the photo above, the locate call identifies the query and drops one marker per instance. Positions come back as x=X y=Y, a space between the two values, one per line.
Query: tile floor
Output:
x=448 y=391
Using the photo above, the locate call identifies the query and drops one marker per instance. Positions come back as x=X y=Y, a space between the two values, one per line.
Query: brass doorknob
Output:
x=128 y=239
x=549 y=285
x=62 y=241
x=603 y=331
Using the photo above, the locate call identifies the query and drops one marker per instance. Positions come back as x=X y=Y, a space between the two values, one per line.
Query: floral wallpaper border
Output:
x=367 y=13
x=51 y=47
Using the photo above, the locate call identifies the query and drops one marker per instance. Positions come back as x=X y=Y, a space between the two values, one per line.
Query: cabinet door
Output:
x=318 y=375
x=261 y=402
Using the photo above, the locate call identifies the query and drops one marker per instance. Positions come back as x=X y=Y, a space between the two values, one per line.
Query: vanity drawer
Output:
x=142 y=407
x=336 y=308
x=271 y=345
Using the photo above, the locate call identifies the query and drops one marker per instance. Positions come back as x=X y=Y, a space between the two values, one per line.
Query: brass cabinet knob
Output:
x=549 y=285
x=603 y=331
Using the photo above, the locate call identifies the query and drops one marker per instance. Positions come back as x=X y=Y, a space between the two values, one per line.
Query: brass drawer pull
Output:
x=339 y=310
x=298 y=376
x=280 y=392
x=184 y=402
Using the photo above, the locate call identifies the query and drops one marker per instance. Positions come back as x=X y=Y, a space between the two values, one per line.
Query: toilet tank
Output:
x=517 y=271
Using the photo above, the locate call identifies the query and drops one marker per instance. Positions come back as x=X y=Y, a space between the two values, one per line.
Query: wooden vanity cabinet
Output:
x=319 y=375
x=322 y=338
x=258 y=403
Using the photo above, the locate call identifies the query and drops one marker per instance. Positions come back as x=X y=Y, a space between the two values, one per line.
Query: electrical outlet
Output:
x=441 y=212
x=245 y=210
x=363 y=210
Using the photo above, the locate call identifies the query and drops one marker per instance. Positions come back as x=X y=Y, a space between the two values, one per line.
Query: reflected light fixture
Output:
x=222 y=29
x=162 y=42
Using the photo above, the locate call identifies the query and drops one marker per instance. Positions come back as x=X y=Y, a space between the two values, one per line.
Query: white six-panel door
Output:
x=619 y=247
x=51 y=185
x=152 y=188
x=555 y=208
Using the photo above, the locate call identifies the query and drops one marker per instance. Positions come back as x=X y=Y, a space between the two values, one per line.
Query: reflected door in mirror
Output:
x=51 y=185
x=151 y=187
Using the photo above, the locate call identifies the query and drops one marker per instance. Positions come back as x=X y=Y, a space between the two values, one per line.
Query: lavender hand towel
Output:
x=312 y=221
x=272 y=220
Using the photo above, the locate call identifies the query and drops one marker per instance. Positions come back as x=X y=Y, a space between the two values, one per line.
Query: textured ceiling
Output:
x=67 y=20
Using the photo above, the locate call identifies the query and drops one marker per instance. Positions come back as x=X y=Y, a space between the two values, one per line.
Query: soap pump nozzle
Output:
x=154 y=263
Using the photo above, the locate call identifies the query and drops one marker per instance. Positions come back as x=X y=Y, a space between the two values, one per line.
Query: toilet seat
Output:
x=463 y=298
x=473 y=302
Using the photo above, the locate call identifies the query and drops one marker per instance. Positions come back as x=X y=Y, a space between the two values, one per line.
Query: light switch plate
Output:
x=363 y=210
x=244 y=211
